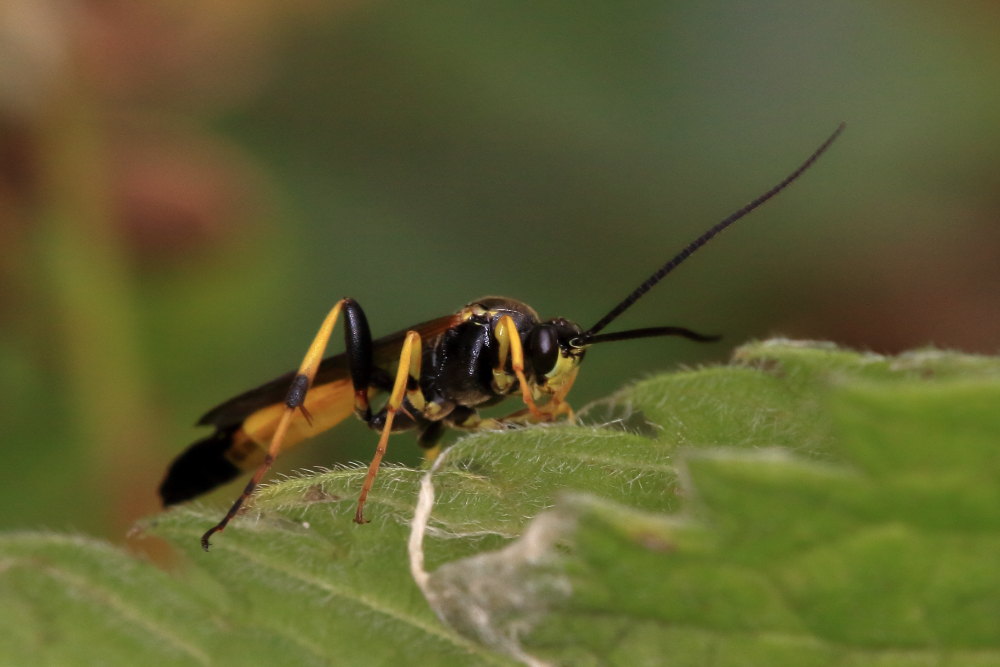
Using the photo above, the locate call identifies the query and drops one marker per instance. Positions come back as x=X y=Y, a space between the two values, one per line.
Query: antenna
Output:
x=588 y=336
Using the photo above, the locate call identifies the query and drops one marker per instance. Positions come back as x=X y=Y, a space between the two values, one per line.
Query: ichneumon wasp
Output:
x=436 y=374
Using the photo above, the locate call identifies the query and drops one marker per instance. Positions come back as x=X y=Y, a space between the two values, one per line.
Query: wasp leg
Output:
x=430 y=440
x=430 y=437
x=509 y=341
x=550 y=411
x=359 y=352
x=468 y=419
x=406 y=386
x=360 y=359
x=557 y=405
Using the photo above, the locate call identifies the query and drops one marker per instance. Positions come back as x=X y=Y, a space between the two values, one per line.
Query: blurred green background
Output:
x=185 y=189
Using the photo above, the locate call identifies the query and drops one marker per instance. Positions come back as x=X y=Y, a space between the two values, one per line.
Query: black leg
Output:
x=360 y=360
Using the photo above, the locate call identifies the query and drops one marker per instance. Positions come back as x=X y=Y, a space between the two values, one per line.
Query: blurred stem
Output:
x=90 y=289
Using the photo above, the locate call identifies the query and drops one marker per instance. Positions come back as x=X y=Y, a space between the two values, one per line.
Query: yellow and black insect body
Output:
x=437 y=374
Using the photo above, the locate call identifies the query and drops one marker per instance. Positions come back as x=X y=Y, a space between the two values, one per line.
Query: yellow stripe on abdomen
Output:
x=328 y=404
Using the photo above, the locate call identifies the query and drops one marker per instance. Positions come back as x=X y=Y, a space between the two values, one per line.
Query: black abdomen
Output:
x=199 y=469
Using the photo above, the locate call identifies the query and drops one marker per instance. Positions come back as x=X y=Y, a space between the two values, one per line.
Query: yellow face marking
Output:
x=564 y=371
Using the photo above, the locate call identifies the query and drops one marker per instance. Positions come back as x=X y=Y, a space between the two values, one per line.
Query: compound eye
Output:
x=543 y=348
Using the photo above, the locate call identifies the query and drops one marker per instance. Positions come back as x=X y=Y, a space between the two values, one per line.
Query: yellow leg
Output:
x=510 y=343
x=409 y=368
x=558 y=405
x=549 y=411
x=502 y=331
x=294 y=401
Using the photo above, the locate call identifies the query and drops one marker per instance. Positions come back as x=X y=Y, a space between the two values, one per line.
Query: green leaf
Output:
x=805 y=505
x=73 y=600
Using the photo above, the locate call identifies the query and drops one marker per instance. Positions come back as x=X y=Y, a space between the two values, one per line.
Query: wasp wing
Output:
x=244 y=424
x=332 y=370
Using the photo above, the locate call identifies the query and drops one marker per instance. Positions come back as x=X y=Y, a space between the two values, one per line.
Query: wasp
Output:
x=436 y=374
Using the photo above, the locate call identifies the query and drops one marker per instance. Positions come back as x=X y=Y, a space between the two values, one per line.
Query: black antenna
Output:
x=652 y=332
x=589 y=336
